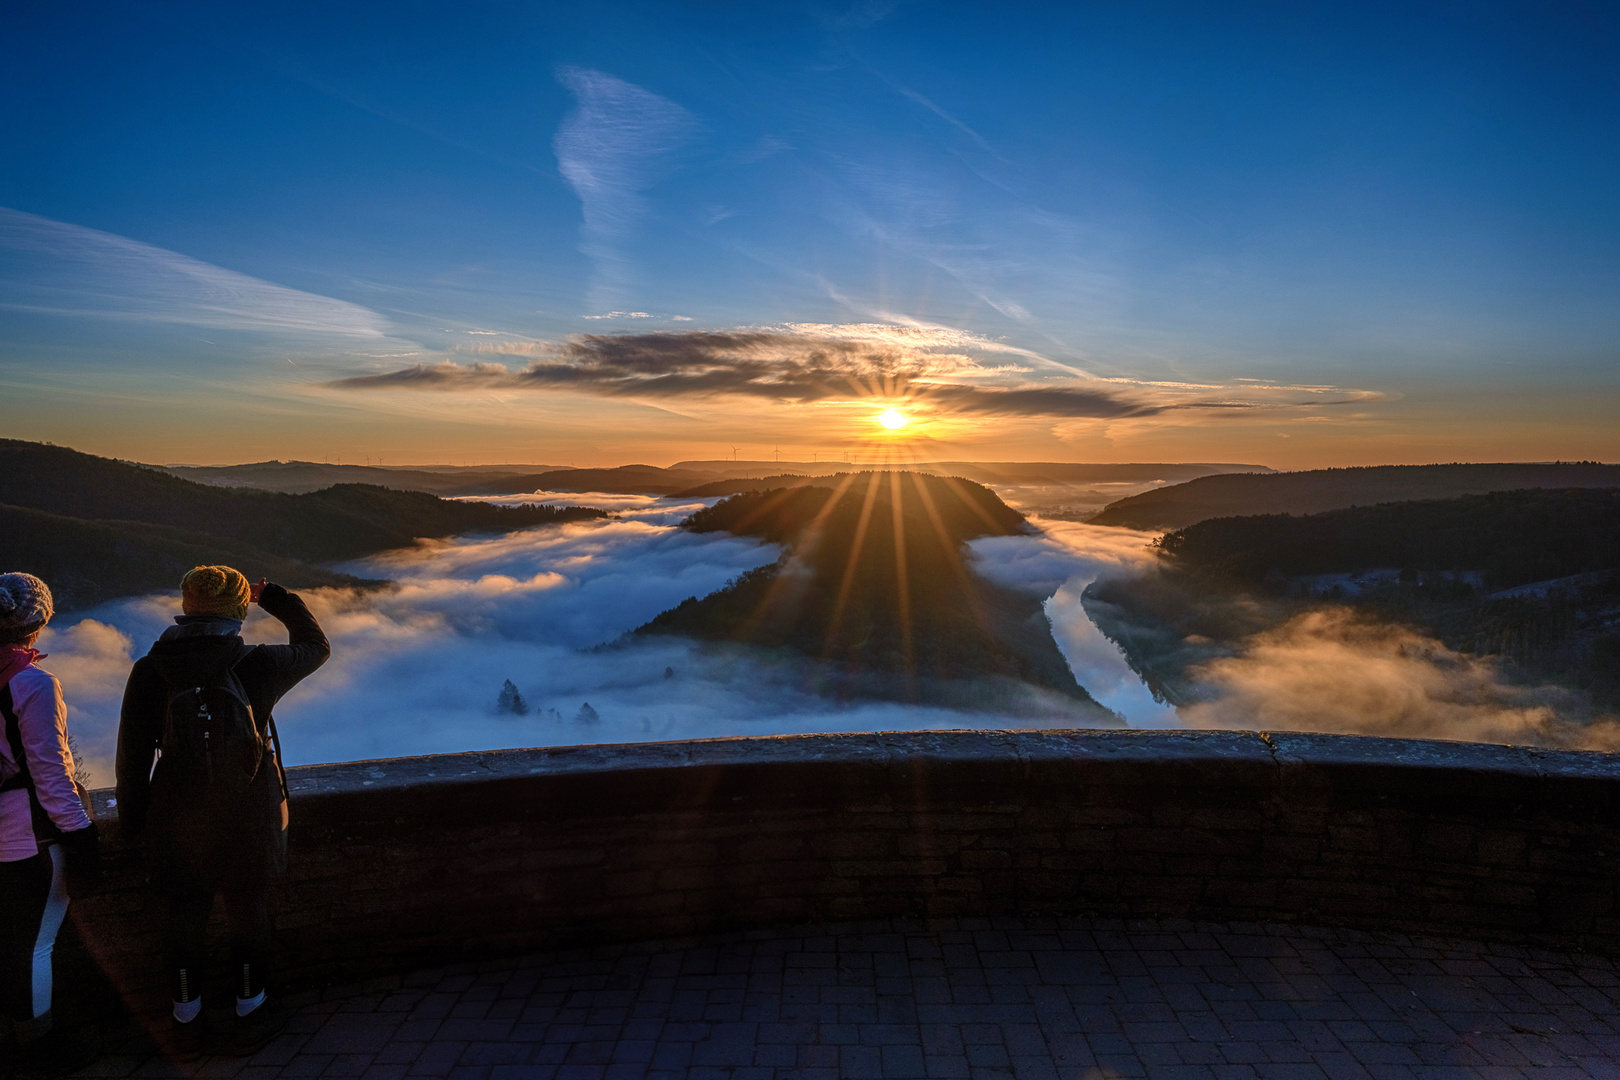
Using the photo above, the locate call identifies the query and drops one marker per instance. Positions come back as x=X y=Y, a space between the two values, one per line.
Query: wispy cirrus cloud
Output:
x=55 y=267
x=935 y=369
x=616 y=142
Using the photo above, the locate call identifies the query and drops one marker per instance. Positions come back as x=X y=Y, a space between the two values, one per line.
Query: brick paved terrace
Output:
x=998 y=997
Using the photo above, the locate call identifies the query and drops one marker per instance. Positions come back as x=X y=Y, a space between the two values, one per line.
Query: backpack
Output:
x=212 y=743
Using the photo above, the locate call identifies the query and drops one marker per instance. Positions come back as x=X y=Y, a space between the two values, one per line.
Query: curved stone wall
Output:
x=414 y=861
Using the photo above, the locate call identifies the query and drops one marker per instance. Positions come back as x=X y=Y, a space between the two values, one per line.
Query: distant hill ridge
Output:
x=1317 y=490
x=298 y=477
x=981 y=472
x=304 y=476
x=95 y=528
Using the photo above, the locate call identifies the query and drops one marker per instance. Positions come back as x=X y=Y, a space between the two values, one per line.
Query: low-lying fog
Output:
x=417 y=668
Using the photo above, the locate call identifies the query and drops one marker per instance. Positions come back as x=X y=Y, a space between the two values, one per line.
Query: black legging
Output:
x=33 y=902
x=248 y=913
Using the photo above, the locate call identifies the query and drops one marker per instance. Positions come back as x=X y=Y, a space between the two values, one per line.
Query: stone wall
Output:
x=415 y=861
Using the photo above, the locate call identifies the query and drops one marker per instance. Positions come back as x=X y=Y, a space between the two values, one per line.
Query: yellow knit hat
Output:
x=214 y=590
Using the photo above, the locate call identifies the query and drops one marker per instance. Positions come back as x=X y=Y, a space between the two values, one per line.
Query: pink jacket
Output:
x=42 y=719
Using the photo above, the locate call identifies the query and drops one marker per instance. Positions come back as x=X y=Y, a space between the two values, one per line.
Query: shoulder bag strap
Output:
x=44 y=828
x=22 y=778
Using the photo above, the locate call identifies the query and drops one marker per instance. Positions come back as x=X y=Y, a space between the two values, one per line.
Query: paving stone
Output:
x=1020 y=999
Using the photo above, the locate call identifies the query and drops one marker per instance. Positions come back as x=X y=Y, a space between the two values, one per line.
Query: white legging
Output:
x=31 y=938
x=56 y=905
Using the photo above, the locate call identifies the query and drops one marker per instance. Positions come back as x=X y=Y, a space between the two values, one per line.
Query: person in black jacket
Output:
x=201 y=843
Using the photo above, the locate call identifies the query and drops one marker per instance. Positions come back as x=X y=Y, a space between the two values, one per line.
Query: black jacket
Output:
x=241 y=841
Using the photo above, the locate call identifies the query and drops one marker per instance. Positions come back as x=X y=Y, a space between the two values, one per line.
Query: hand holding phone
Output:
x=256 y=589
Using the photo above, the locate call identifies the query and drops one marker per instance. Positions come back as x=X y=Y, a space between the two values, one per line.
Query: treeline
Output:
x=96 y=528
x=1510 y=537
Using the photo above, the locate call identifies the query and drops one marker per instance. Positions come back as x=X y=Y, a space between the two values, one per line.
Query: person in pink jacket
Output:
x=47 y=840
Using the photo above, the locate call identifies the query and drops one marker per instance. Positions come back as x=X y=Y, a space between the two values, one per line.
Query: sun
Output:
x=894 y=418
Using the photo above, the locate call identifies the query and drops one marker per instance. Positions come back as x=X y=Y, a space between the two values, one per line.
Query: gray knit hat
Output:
x=25 y=602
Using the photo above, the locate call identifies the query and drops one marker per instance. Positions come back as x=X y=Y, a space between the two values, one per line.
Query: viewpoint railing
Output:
x=410 y=862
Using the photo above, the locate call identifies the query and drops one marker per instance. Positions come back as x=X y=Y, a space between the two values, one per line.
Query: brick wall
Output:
x=408 y=862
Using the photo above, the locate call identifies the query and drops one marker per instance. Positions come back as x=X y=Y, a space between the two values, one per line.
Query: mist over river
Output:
x=417 y=668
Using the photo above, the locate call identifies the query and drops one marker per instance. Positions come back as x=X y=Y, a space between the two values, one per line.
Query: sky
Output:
x=1295 y=235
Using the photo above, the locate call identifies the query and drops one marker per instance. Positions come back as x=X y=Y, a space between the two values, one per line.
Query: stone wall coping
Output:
x=1289 y=751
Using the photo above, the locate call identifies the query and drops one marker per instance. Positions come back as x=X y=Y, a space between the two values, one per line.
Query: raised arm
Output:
x=306 y=648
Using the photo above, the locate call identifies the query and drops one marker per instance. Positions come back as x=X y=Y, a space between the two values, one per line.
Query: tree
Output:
x=510 y=700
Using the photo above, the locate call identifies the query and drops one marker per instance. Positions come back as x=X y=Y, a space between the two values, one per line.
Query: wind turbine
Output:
x=779 y=455
x=733 y=453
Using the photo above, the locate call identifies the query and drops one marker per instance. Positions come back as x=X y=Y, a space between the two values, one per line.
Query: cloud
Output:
x=618 y=140
x=1335 y=670
x=805 y=363
x=861 y=16
x=928 y=104
x=58 y=268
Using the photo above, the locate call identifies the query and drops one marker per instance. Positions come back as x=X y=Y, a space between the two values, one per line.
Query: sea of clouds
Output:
x=417 y=667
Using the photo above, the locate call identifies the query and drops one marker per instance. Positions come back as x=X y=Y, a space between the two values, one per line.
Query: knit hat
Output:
x=25 y=603
x=215 y=590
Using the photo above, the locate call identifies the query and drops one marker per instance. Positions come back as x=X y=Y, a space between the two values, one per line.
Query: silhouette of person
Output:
x=205 y=838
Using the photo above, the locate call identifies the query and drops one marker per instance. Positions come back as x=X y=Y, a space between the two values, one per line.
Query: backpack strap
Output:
x=268 y=733
x=269 y=730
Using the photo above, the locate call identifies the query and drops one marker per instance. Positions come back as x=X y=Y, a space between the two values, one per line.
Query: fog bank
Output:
x=417 y=667
x=1335 y=670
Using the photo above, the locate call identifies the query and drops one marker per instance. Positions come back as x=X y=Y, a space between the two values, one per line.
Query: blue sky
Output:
x=1291 y=234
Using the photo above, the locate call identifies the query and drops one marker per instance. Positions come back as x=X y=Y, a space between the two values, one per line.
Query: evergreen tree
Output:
x=510 y=700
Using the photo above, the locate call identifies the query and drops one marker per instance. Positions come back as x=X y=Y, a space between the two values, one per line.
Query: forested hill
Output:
x=877 y=583
x=834 y=506
x=1509 y=537
x=1317 y=490
x=1546 y=604
x=94 y=528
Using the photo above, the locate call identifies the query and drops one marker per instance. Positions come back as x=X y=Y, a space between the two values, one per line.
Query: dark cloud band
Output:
x=778 y=366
